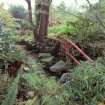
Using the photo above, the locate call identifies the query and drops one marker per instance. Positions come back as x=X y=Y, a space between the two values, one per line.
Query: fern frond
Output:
x=35 y=81
x=12 y=92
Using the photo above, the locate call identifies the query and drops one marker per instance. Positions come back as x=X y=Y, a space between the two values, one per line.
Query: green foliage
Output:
x=51 y=92
x=97 y=8
x=8 y=50
x=18 y=11
x=57 y=30
x=62 y=7
x=62 y=13
x=87 y=84
x=84 y=26
x=6 y=44
x=79 y=30
x=6 y=26
x=12 y=93
x=6 y=19
x=19 y=38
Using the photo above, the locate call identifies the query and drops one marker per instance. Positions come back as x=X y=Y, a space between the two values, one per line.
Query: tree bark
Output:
x=42 y=19
x=29 y=11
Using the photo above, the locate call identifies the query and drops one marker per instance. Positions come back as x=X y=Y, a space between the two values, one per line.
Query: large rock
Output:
x=59 y=67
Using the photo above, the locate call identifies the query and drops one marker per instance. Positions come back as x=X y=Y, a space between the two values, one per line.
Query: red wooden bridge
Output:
x=67 y=45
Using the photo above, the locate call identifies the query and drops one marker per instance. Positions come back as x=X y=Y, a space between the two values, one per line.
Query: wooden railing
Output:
x=67 y=45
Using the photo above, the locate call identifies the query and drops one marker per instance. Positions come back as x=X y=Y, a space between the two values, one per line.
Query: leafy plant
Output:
x=6 y=41
x=87 y=84
x=57 y=29
x=8 y=50
x=10 y=98
x=48 y=90
x=6 y=19
x=18 y=11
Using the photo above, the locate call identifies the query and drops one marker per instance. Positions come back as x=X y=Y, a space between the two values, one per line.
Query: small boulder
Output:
x=65 y=77
x=58 y=67
x=43 y=55
x=47 y=60
x=46 y=57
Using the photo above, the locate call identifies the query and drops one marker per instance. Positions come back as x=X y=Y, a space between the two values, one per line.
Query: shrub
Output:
x=18 y=11
x=87 y=84
x=48 y=91
x=8 y=50
x=79 y=30
x=6 y=19
x=59 y=29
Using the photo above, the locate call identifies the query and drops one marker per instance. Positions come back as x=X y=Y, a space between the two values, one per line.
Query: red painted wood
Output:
x=72 y=57
x=66 y=50
x=69 y=44
x=83 y=53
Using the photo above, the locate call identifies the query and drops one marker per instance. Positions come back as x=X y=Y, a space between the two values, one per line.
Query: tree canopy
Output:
x=18 y=11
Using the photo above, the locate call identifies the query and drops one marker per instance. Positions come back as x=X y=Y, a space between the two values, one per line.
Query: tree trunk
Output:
x=42 y=18
x=29 y=11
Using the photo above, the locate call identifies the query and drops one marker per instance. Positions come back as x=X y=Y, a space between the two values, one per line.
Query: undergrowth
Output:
x=10 y=98
x=87 y=85
x=48 y=91
x=19 y=38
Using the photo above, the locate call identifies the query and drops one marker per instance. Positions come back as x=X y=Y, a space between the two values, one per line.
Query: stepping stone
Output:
x=46 y=57
x=58 y=67
x=47 y=60
x=43 y=55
